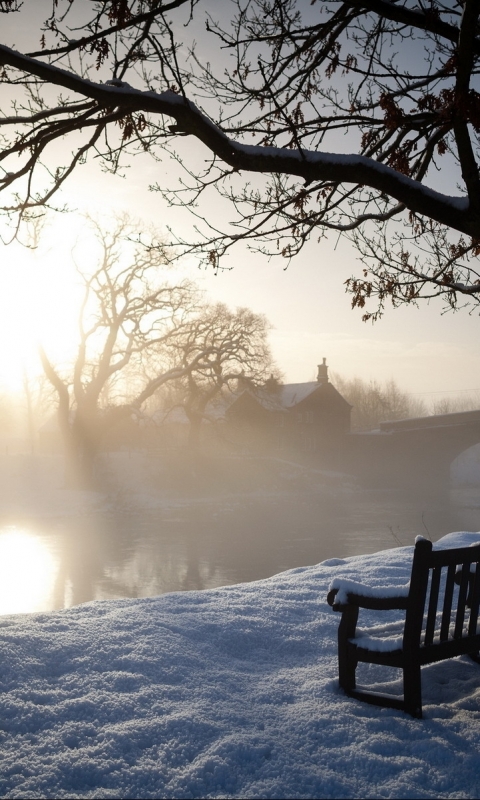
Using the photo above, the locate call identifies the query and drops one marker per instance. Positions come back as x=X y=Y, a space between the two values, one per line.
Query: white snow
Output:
x=344 y=587
x=229 y=692
x=294 y=393
x=385 y=638
x=459 y=202
x=165 y=102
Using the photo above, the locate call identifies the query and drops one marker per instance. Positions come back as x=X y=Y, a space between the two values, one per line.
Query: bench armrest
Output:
x=343 y=592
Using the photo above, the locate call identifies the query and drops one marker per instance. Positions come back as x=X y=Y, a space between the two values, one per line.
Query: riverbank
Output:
x=245 y=520
x=34 y=484
x=230 y=692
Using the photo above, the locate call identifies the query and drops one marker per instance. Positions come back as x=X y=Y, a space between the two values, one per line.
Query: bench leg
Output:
x=347 y=663
x=475 y=657
x=412 y=689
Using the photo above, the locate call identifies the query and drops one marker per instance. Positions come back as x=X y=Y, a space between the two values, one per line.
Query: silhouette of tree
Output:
x=375 y=402
x=452 y=405
x=357 y=116
x=129 y=308
x=38 y=398
x=227 y=346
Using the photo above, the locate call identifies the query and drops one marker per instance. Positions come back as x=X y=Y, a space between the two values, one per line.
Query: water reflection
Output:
x=59 y=563
x=27 y=572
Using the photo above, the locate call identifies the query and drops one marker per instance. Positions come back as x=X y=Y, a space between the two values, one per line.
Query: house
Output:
x=312 y=418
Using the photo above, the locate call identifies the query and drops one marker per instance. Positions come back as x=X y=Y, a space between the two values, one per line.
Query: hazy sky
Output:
x=427 y=352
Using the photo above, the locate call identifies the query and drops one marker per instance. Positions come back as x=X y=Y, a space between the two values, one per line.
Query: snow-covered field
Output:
x=229 y=692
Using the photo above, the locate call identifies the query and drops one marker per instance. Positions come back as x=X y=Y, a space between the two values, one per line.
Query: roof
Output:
x=287 y=396
x=293 y=393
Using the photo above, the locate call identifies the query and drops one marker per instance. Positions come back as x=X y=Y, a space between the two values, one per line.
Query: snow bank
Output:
x=230 y=692
x=344 y=587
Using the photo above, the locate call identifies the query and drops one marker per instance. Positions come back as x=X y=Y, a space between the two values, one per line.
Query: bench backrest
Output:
x=444 y=600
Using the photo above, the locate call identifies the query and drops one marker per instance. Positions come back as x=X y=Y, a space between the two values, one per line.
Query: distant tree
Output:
x=9 y=417
x=451 y=405
x=401 y=404
x=236 y=347
x=375 y=402
x=130 y=307
x=357 y=116
x=38 y=404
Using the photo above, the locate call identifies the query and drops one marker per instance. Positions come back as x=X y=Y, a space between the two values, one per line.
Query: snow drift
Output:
x=229 y=692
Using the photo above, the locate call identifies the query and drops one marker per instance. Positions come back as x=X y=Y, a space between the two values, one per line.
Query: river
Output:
x=52 y=563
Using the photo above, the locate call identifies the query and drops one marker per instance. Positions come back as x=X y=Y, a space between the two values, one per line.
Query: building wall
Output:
x=316 y=425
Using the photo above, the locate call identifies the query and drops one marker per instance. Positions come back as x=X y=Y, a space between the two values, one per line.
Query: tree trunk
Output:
x=195 y=420
x=80 y=435
x=79 y=463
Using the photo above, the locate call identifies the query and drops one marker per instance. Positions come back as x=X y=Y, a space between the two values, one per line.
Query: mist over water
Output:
x=61 y=548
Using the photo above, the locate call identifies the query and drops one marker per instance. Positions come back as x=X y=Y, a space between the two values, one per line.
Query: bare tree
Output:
x=227 y=346
x=38 y=404
x=9 y=416
x=375 y=402
x=346 y=111
x=452 y=405
x=129 y=308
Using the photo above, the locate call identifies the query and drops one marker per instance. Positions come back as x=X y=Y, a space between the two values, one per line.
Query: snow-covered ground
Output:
x=229 y=692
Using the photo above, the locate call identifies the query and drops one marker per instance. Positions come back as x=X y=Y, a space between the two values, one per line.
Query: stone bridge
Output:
x=412 y=452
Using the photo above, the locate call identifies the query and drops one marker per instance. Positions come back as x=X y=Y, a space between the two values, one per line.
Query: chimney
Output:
x=272 y=385
x=322 y=376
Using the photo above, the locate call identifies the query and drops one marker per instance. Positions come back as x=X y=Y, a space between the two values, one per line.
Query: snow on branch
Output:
x=309 y=165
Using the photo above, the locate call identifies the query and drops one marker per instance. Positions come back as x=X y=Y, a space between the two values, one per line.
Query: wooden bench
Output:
x=441 y=605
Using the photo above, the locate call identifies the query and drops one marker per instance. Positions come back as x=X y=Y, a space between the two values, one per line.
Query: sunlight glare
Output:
x=27 y=573
x=39 y=305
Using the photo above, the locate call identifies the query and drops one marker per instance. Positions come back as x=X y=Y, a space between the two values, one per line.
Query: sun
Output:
x=40 y=296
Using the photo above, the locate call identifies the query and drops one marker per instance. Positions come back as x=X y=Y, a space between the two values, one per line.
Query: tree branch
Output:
x=309 y=165
x=417 y=19
x=465 y=59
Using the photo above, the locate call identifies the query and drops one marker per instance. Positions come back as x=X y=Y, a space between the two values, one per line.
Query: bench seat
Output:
x=441 y=604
